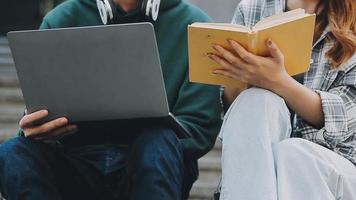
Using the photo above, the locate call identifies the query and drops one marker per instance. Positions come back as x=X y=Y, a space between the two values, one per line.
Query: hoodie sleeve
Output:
x=198 y=109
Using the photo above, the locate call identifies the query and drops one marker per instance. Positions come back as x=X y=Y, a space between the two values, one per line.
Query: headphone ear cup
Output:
x=151 y=8
x=102 y=11
x=107 y=10
x=155 y=9
x=113 y=10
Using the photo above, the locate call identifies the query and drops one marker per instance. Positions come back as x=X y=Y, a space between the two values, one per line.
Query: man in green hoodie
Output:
x=99 y=161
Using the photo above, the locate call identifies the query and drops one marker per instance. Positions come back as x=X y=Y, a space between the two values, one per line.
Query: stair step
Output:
x=7 y=62
x=5 y=52
x=202 y=190
x=218 y=145
x=8 y=77
x=6 y=134
x=11 y=113
x=11 y=95
x=4 y=41
x=209 y=164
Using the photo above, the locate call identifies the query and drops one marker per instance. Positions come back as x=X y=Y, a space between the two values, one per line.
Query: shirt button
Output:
x=311 y=61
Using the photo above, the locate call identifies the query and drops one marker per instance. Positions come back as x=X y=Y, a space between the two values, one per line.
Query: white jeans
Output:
x=261 y=162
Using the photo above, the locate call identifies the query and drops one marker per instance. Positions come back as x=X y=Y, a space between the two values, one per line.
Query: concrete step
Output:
x=203 y=191
x=8 y=77
x=11 y=113
x=3 y=41
x=6 y=62
x=5 y=52
x=210 y=162
x=218 y=145
x=8 y=133
x=209 y=175
x=11 y=95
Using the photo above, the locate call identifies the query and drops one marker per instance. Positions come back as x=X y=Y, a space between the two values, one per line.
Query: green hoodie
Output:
x=196 y=106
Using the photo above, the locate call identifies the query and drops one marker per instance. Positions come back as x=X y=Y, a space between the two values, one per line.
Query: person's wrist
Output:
x=280 y=83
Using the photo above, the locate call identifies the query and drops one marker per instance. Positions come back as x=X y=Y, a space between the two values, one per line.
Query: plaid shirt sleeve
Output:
x=339 y=107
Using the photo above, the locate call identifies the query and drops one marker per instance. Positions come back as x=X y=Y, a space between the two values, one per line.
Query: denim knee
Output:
x=16 y=154
x=156 y=162
x=11 y=148
x=155 y=146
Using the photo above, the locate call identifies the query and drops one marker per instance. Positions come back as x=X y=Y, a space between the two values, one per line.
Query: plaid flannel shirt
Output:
x=336 y=87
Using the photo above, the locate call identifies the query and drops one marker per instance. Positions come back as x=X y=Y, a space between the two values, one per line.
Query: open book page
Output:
x=279 y=19
x=222 y=26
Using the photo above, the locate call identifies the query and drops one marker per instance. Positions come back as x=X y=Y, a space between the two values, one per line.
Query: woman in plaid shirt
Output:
x=264 y=155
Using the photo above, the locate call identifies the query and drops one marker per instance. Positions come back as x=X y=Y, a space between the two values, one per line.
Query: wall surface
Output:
x=219 y=10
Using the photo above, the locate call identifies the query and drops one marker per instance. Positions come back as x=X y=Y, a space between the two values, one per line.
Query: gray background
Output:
x=219 y=10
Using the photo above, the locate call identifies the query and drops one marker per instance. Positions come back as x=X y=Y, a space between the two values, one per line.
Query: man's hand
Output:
x=50 y=131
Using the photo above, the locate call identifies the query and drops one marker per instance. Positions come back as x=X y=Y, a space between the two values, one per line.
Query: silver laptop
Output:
x=93 y=73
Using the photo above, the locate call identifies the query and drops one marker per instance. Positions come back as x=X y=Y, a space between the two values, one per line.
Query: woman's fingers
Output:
x=58 y=133
x=229 y=74
x=243 y=54
x=230 y=57
x=29 y=119
x=45 y=128
x=274 y=51
x=223 y=63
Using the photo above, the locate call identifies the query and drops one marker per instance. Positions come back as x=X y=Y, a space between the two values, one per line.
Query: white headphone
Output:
x=108 y=12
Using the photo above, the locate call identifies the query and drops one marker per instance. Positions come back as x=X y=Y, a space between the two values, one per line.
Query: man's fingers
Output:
x=46 y=128
x=58 y=133
x=274 y=51
x=29 y=119
x=244 y=55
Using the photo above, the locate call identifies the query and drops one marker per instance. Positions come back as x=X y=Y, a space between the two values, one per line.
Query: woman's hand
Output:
x=265 y=72
x=50 y=131
x=269 y=73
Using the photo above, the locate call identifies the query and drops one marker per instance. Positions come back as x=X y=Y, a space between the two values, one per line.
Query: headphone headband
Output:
x=108 y=12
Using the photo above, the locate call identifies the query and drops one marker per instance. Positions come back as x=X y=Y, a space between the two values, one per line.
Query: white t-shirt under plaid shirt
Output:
x=337 y=87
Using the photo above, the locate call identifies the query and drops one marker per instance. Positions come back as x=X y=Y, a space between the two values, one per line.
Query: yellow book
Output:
x=292 y=31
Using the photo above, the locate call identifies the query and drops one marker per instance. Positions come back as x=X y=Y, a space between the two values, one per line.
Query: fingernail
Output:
x=44 y=111
x=64 y=120
x=215 y=46
x=229 y=41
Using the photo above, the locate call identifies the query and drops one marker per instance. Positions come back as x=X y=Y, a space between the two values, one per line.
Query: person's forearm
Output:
x=304 y=101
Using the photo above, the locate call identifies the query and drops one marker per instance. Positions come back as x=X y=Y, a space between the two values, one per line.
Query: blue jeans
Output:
x=151 y=167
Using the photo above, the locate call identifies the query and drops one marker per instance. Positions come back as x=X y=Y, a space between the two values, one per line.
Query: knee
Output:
x=11 y=148
x=289 y=150
x=13 y=159
x=259 y=102
x=155 y=147
x=258 y=96
x=256 y=109
x=15 y=152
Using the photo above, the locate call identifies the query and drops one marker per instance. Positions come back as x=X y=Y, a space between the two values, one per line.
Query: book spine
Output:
x=252 y=42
